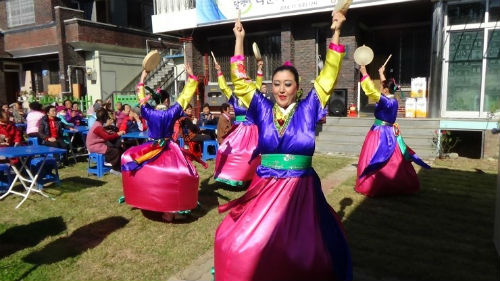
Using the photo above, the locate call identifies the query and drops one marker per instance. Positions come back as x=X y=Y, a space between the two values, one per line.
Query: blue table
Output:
x=81 y=130
x=136 y=135
x=208 y=127
x=24 y=153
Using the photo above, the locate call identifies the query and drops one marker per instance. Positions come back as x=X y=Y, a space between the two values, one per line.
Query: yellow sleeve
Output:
x=258 y=80
x=141 y=94
x=223 y=86
x=326 y=80
x=244 y=88
x=188 y=92
x=370 y=89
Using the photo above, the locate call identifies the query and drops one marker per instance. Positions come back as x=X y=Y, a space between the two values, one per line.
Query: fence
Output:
x=85 y=102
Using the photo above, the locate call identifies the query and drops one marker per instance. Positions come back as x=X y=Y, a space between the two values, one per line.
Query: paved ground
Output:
x=200 y=268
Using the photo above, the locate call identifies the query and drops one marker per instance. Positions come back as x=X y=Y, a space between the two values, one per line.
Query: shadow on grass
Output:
x=444 y=232
x=82 y=239
x=75 y=184
x=24 y=236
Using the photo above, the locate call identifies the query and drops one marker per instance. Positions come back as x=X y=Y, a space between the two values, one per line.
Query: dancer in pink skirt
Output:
x=158 y=175
x=283 y=227
x=237 y=159
x=384 y=166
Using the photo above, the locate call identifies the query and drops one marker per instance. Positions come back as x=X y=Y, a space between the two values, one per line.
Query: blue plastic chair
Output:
x=33 y=141
x=181 y=142
x=6 y=177
x=49 y=172
x=206 y=155
x=99 y=169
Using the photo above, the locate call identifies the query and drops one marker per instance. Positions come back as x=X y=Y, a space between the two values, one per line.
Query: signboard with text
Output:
x=219 y=11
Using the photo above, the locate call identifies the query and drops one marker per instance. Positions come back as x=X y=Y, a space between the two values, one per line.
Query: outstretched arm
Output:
x=244 y=88
x=368 y=86
x=260 y=74
x=222 y=82
x=189 y=89
x=326 y=80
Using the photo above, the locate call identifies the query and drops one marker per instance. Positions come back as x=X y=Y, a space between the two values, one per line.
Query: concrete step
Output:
x=356 y=122
x=406 y=130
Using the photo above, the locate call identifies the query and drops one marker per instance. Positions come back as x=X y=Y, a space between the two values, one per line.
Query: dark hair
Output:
x=36 y=106
x=123 y=105
x=97 y=100
x=290 y=68
x=390 y=85
x=160 y=96
x=75 y=103
x=224 y=107
x=4 y=116
x=102 y=115
x=189 y=106
x=193 y=128
x=67 y=100
x=206 y=105
x=47 y=109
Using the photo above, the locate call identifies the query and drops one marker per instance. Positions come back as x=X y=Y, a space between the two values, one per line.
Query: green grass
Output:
x=442 y=233
x=84 y=234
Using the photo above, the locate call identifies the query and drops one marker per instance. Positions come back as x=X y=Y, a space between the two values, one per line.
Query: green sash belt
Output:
x=286 y=161
x=379 y=122
x=399 y=138
x=241 y=118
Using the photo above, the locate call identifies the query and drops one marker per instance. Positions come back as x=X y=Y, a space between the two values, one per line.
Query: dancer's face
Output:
x=284 y=88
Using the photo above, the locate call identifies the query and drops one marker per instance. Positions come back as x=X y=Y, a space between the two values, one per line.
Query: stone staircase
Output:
x=161 y=77
x=341 y=135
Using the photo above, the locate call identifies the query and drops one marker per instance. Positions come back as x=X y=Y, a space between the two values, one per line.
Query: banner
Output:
x=211 y=11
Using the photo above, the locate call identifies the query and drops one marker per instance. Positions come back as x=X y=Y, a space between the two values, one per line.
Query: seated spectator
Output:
x=119 y=113
x=193 y=137
x=206 y=117
x=5 y=107
x=51 y=129
x=9 y=134
x=76 y=115
x=134 y=122
x=18 y=113
x=100 y=140
x=61 y=114
x=225 y=124
x=188 y=114
x=33 y=119
x=68 y=105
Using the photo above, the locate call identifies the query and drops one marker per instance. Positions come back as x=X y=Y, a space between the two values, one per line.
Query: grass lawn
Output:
x=86 y=235
x=444 y=232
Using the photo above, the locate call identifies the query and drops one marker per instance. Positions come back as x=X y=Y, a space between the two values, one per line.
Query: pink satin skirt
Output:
x=234 y=164
x=169 y=183
x=397 y=176
x=273 y=232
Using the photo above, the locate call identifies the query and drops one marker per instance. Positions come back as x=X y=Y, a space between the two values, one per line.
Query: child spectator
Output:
x=33 y=119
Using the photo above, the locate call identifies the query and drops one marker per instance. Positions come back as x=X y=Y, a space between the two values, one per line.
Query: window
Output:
x=494 y=10
x=492 y=86
x=464 y=70
x=20 y=12
x=270 y=48
x=466 y=13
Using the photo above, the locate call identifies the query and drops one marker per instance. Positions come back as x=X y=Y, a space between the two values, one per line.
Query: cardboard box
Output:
x=418 y=87
x=410 y=107
x=421 y=108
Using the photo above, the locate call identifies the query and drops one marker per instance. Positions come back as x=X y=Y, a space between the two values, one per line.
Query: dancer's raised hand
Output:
x=362 y=69
x=239 y=31
x=218 y=68
x=337 y=20
x=189 y=70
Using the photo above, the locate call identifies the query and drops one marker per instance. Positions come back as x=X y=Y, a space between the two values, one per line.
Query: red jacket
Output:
x=124 y=127
x=10 y=132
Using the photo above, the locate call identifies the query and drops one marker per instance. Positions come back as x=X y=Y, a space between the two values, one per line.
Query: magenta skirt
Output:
x=397 y=176
x=276 y=231
x=169 y=183
x=234 y=164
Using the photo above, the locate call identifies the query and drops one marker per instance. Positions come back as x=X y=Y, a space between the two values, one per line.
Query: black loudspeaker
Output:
x=337 y=105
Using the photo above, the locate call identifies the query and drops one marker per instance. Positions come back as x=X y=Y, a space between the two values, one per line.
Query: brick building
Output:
x=454 y=45
x=74 y=47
